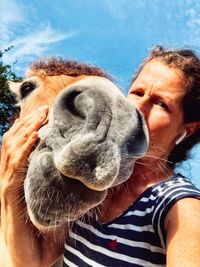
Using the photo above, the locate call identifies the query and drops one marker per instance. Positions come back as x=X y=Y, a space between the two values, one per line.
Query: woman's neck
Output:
x=119 y=198
x=146 y=172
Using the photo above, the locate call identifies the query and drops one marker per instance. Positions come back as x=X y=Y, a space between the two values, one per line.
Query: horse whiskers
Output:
x=23 y=170
x=18 y=200
x=159 y=166
x=97 y=211
x=148 y=154
x=164 y=168
x=22 y=215
x=148 y=166
x=158 y=158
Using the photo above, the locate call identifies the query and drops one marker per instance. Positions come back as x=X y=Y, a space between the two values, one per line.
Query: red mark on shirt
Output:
x=112 y=244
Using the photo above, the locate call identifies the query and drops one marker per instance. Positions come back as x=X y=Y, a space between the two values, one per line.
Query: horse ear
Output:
x=14 y=87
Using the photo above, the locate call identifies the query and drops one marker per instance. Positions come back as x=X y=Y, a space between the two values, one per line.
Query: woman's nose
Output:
x=143 y=105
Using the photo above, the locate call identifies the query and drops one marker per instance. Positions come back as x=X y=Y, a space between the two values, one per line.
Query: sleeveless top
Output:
x=136 y=238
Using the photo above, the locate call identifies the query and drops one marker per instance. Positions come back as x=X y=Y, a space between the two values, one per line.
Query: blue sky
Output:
x=114 y=34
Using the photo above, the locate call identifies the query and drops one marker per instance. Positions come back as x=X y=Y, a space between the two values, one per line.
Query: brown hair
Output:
x=189 y=63
x=57 y=66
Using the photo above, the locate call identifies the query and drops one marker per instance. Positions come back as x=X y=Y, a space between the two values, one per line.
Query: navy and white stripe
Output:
x=136 y=238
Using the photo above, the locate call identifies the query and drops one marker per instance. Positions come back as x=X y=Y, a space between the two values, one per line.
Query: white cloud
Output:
x=10 y=12
x=28 y=41
x=11 y=15
x=34 y=44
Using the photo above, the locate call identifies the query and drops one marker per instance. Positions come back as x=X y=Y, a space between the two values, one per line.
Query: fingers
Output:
x=18 y=142
x=19 y=159
x=31 y=122
x=28 y=146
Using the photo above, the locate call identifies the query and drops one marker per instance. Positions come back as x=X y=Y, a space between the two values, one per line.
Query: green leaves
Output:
x=8 y=108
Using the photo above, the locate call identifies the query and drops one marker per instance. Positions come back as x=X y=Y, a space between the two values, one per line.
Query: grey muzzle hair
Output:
x=91 y=142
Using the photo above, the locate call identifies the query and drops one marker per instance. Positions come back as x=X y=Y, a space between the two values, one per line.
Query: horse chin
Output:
x=51 y=220
x=52 y=223
x=48 y=221
x=52 y=198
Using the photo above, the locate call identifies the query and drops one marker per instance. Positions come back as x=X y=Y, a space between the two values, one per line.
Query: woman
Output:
x=154 y=218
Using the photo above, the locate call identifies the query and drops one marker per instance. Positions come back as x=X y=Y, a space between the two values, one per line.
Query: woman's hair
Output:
x=189 y=63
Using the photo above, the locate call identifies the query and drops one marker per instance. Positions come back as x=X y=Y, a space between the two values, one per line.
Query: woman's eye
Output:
x=26 y=88
x=138 y=93
x=162 y=105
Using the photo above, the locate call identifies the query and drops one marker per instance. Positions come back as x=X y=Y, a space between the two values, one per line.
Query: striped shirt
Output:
x=136 y=238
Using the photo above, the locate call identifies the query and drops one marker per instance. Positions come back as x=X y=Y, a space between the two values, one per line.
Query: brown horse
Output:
x=89 y=144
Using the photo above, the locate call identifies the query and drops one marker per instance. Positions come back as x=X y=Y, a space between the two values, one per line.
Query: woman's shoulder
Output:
x=162 y=195
x=177 y=186
x=167 y=194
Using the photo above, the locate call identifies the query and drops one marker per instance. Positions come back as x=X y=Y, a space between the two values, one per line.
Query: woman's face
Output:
x=158 y=93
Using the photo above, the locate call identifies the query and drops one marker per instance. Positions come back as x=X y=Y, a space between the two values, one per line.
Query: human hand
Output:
x=17 y=145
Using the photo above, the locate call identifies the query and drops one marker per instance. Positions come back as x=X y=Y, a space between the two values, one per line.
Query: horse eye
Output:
x=26 y=88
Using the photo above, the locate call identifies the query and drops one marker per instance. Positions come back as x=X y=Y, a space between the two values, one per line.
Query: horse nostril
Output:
x=67 y=102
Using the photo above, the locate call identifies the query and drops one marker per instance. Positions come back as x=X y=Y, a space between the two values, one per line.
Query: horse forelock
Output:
x=54 y=66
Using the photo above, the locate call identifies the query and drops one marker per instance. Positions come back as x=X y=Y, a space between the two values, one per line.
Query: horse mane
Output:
x=57 y=66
